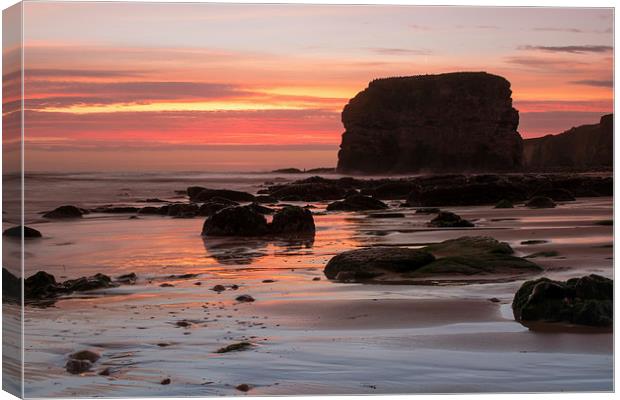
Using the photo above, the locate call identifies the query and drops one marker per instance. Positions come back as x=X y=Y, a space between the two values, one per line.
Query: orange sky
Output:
x=121 y=86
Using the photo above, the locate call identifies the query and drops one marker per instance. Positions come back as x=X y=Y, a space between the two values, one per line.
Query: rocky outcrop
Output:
x=449 y=122
x=292 y=220
x=585 y=301
x=63 y=212
x=357 y=202
x=475 y=258
x=580 y=148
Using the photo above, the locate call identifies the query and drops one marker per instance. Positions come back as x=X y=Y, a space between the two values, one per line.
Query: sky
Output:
x=224 y=87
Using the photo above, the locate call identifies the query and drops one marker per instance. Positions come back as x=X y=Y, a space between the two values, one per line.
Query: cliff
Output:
x=460 y=121
x=582 y=148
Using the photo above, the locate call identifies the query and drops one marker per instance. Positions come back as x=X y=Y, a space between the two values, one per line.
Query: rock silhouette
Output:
x=461 y=121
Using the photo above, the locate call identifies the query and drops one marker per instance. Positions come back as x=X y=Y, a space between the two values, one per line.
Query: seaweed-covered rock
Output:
x=357 y=202
x=466 y=258
x=16 y=232
x=584 y=301
x=540 y=202
x=292 y=220
x=63 y=212
x=362 y=264
x=235 y=221
x=446 y=219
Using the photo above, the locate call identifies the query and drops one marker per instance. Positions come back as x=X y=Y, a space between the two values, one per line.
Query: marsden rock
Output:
x=585 y=301
x=448 y=122
x=235 y=221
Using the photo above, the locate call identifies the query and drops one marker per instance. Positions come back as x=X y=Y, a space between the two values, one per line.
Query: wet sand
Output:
x=308 y=336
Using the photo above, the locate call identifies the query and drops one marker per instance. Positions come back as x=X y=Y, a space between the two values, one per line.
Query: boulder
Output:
x=446 y=219
x=584 y=301
x=11 y=286
x=447 y=122
x=363 y=264
x=357 y=202
x=504 y=204
x=235 y=221
x=213 y=206
x=78 y=366
x=292 y=220
x=16 y=232
x=540 y=202
x=308 y=191
x=205 y=195
x=475 y=258
x=63 y=212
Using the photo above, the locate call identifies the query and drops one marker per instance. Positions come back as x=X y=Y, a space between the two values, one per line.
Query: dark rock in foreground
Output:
x=446 y=219
x=357 y=202
x=583 y=301
x=235 y=221
x=292 y=220
x=447 y=122
x=476 y=258
x=64 y=212
x=200 y=194
x=363 y=264
x=16 y=232
x=540 y=202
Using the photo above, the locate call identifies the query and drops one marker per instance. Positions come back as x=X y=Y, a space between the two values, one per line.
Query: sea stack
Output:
x=462 y=121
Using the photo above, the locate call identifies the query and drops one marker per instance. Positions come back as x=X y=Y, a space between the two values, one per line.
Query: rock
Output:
x=218 y=288
x=494 y=300
x=534 y=241
x=89 y=355
x=316 y=278
x=362 y=264
x=446 y=219
x=540 y=202
x=393 y=190
x=504 y=204
x=106 y=371
x=206 y=195
x=583 y=301
x=213 y=206
x=244 y=387
x=166 y=285
x=467 y=190
x=11 y=286
x=427 y=210
x=16 y=232
x=556 y=194
x=181 y=210
x=606 y=222
x=78 y=366
x=44 y=286
x=235 y=347
x=41 y=285
x=261 y=209
x=287 y=171
x=97 y=281
x=245 y=298
x=235 y=221
x=64 y=212
x=292 y=220
x=183 y=324
x=150 y=210
x=551 y=253
x=585 y=147
x=455 y=121
x=265 y=199
x=166 y=381
x=117 y=210
x=357 y=202
x=386 y=215
x=308 y=190
x=128 y=279
x=457 y=259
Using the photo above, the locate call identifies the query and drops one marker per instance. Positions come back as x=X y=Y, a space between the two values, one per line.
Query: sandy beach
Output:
x=307 y=334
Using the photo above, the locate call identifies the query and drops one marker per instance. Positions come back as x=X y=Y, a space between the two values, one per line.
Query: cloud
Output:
x=571 y=30
x=417 y=27
x=393 y=51
x=595 y=83
x=546 y=64
x=577 y=49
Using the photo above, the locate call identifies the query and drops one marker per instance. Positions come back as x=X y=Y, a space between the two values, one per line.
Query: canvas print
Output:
x=282 y=199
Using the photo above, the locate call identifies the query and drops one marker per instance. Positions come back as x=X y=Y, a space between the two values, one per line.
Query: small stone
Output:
x=245 y=298
x=183 y=324
x=268 y=281
x=316 y=279
x=244 y=387
x=166 y=285
x=166 y=381
x=494 y=300
x=78 y=366
x=218 y=288
x=89 y=355
x=106 y=372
